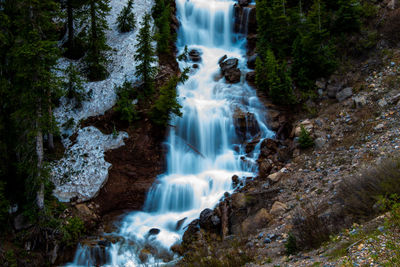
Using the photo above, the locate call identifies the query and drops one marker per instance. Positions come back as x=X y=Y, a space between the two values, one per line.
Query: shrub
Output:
x=72 y=231
x=291 y=245
x=305 y=140
x=359 y=194
x=125 y=102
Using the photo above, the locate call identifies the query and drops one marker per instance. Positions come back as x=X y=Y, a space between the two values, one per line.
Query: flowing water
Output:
x=205 y=147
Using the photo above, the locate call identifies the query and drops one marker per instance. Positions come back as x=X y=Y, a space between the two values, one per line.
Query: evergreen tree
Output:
x=145 y=56
x=263 y=14
x=167 y=104
x=125 y=102
x=73 y=86
x=94 y=16
x=126 y=19
x=348 y=16
x=163 y=35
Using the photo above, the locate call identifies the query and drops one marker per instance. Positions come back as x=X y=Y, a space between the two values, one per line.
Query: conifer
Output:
x=126 y=19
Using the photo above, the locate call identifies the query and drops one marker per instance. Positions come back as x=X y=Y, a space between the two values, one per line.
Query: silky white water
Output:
x=204 y=149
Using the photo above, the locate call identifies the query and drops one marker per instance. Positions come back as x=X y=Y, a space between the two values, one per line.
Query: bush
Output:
x=305 y=140
x=125 y=102
x=360 y=194
x=72 y=231
x=291 y=245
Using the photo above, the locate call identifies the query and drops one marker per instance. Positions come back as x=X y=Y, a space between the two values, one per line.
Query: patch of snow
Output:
x=83 y=171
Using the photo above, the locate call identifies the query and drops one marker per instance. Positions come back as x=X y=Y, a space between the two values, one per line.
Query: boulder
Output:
x=228 y=64
x=191 y=231
x=222 y=59
x=278 y=208
x=245 y=123
x=332 y=90
x=359 y=101
x=208 y=220
x=154 y=231
x=251 y=77
x=275 y=177
x=238 y=200
x=255 y=222
x=268 y=147
x=251 y=62
x=243 y=2
x=179 y=223
x=195 y=55
x=320 y=142
x=265 y=167
x=233 y=75
x=344 y=94
x=235 y=180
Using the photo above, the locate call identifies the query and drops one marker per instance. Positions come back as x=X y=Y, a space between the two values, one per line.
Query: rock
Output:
x=179 y=223
x=379 y=128
x=154 y=231
x=195 y=66
x=191 y=231
x=228 y=64
x=359 y=101
x=321 y=84
x=344 y=94
x=251 y=77
x=257 y=221
x=382 y=103
x=265 y=167
x=238 y=200
x=235 y=180
x=245 y=123
x=195 y=55
x=21 y=222
x=251 y=62
x=104 y=243
x=332 y=90
x=275 y=177
x=208 y=220
x=268 y=146
x=267 y=240
x=320 y=142
x=395 y=99
x=232 y=75
x=244 y=2
x=222 y=59
x=278 y=208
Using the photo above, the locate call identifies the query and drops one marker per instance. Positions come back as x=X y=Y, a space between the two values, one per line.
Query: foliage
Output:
x=162 y=21
x=145 y=56
x=72 y=230
x=348 y=16
x=291 y=245
x=185 y=54
x=73 y=86
x=126 y=19
x=305 y=140
x=125 y=102
x=95 y=25
x=167 y=104
x=4 y=205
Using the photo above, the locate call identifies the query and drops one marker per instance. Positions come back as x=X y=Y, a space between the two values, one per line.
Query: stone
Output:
x=359 y=101
x=195 y=55
x=231 y=63
x=195 y=66
x=232 y=75
x=208 y=220
x=251 y=77
x=344 y=94
x=244 y=2
x=379 y=128
x=275 y=177
x=245 y=123
x=265 y=168
x=320 y=142
x=382 y=103
x=395 y=99
x=21 y=222
x=332 y=90
x=104 y=243
x=84 y=209
x=154 y=231
x=179 y=223
x=321 y=84
x=190 y=232
x=251 y=62
x=278 y=208
x=222 y=59
x=257 y=221
x=235 y=180
x=238 y=200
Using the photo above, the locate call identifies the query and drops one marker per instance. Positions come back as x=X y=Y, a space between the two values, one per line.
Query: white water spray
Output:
x=205 y=150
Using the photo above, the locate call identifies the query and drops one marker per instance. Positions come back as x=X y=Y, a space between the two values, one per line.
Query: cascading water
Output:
x=205 y=149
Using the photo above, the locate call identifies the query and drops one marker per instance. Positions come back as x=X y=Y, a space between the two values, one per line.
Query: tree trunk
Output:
x=39 y=153
x=50 y=139
x=71 y=39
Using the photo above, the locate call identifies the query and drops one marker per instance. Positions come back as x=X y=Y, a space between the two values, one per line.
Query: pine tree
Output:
x=348 y=16
x=126 y=19
x=163 y=34
x=125 y=102
x=167 y=104
x=73 y=86
x=145 y=56
x=95 y=17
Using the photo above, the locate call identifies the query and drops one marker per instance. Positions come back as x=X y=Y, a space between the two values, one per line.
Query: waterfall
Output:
x=204 y=147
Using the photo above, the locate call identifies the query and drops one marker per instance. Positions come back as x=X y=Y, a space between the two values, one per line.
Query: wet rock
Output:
x=21 y=222
x=104 y=243
x=208 y=220
x=195 y=66
x=228 y=64
x=244 y=2
x=235 y=180
x=245 y=123
x=179 y=223
x=233 y=75
x=344 y=94
x=278 y=208
x=251 y=62
x=154 y=231
x=268 y=147
x=251 y=145
x=195 y=55
x=222 y=59
x=251 y=77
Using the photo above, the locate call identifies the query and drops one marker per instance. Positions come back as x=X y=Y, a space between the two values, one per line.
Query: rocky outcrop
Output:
x=195 y=55
x=229 y=69
x=245 y=123
x=245 y=18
